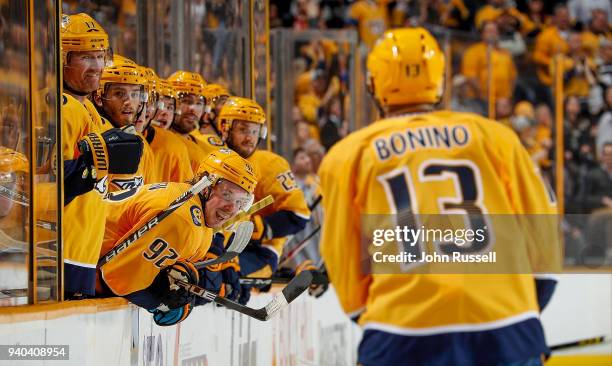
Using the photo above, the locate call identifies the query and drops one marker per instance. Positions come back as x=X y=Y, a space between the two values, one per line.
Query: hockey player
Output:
x=85 y=51
x=121 y=99
x=189 y=88
x=141 y=272
x=242 y=123
x=165 y=114
x=168 y=148
x=215 y=95
x=479 y=167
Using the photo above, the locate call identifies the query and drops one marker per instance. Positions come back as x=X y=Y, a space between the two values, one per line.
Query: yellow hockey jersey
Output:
x=207 y=142
x=83 y=223
x=371 y=18
x=436 y=163
x=274 y=177
x=180 y=236
x=196 y=153
x=170 y=155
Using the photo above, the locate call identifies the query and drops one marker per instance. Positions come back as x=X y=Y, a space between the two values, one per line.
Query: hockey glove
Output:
x=260 y=229
x=211 y=281
x=245 y=294
x=171 y=317
x=115 y=151
x=230 y=279
x=170 y=294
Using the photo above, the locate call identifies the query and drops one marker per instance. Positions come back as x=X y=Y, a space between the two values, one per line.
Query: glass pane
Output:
x=260 y=38
x=314 y=72
x=218 y=42
x=45 y=127
x=14 y=163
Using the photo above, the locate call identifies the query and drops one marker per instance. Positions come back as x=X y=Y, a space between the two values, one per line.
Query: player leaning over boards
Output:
x=242 y=123
x=429 y=319
x=143 y=272
x=85 y=52
x=120 y=99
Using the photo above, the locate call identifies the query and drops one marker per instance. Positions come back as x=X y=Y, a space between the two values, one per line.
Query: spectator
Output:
x=316 y=151
x=465 y=94
x=306 y=14
x=598 y=30
x=302 y=133
x=581 y=10
x=503 y=111
x=536 y=16
x=604 y=125
x=370 y=18
x=489 y=12
x=333 y=126
x=597 y=192
x=579 y=68
x=304 y=174
x=578 y=137
x=550 y=42
x=450 y=14
x=510 y=37
x=597 y=200
x=603 y=63
x=543 y=135
x=475 y=64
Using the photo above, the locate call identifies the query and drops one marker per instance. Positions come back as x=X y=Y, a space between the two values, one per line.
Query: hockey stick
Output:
x=136 y=234
x=242 y=235
x=294 y=288
x=264 y=202
x=292 y=253
x=317 y=279
x=580 y=343
x=315 y=203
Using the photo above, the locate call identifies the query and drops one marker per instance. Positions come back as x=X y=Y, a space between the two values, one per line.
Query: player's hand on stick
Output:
x=168 y=292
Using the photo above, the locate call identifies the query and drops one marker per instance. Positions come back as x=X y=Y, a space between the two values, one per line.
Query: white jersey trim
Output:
x=546 y=276
x=272 y=249
x=452 y=328
x=74 y=263
x=305 y=217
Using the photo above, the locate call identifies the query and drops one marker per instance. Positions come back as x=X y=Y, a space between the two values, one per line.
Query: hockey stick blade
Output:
x=242 y=236
x=294 y=289
x=147 y=226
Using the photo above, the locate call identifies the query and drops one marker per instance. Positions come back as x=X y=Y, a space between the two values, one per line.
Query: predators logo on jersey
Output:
x=196 y=215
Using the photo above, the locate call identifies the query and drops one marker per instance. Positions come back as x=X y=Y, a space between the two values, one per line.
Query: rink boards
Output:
x=309 y=332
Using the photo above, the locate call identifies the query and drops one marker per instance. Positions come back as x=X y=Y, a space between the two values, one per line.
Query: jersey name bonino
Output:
x=437 y=137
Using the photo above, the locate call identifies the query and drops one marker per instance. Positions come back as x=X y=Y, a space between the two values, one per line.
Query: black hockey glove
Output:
x=116 y=151
x=168 y=292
